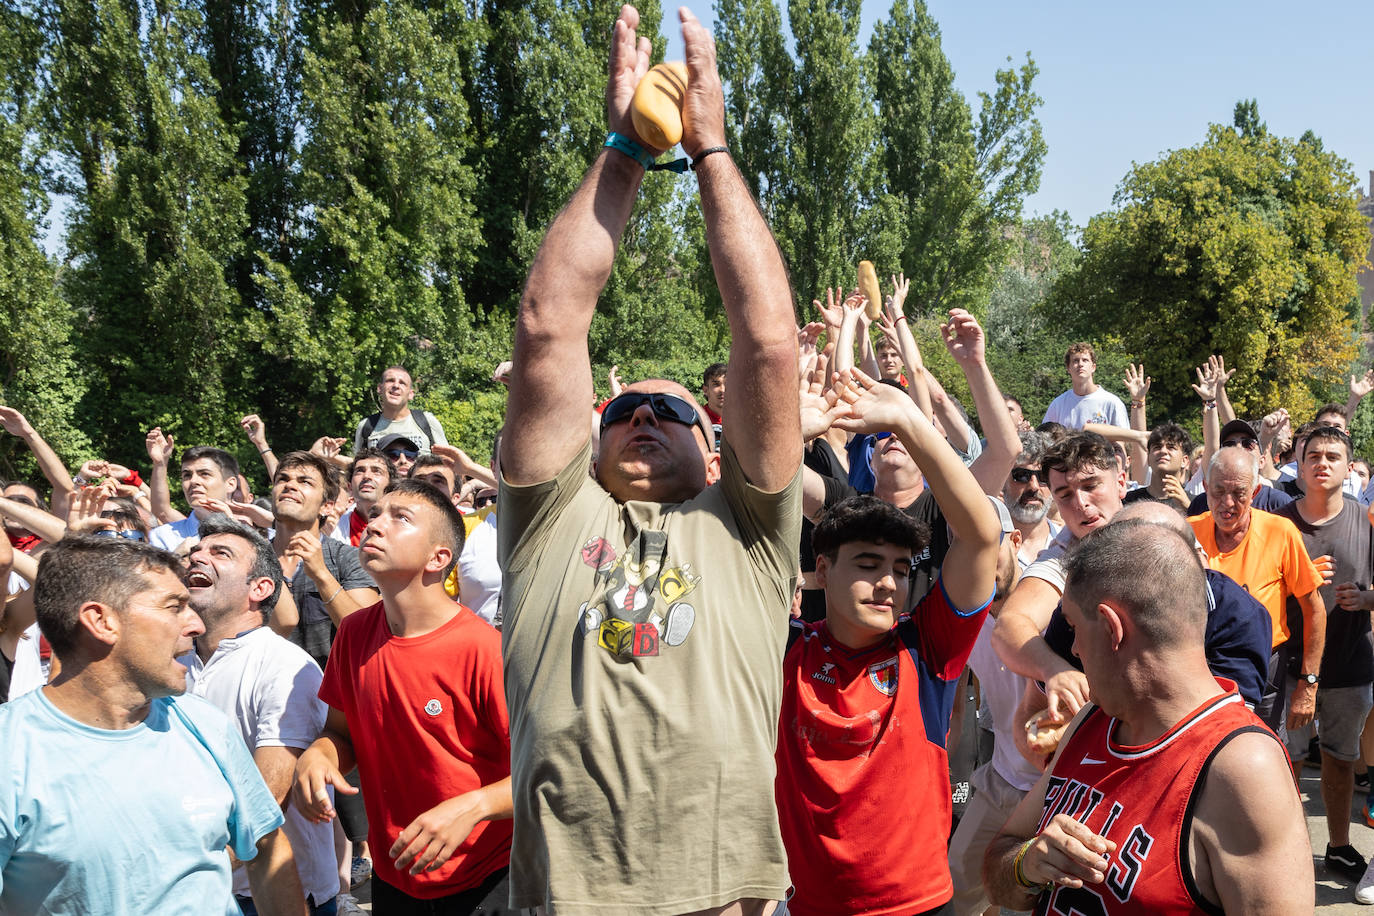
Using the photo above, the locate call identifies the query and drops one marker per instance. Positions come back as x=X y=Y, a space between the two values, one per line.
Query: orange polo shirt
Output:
x=1270 y=562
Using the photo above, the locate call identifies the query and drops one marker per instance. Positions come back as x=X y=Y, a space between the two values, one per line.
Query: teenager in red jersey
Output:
x=1167 y=795
x=863 y=776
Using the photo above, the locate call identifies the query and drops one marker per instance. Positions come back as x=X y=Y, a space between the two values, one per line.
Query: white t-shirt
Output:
x=1002 y=689
x=1049 y=566
x=1050 y=535
x=170 y=535
x=341 y=528
x=270 y=688
x=479 y=575
x=1074 y=412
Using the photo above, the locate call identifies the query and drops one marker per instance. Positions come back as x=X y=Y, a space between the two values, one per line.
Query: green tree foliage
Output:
x=157 y=212
x=38 y=375
x=1246 y=245
x=958 y=183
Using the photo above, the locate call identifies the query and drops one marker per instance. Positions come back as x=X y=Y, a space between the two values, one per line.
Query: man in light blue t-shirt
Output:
x=1086 y=401
x=118 y=795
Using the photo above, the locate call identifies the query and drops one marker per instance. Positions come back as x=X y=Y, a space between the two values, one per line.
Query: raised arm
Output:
x=256 y=431
x=1225 y=412
x=1206 y=389
x=47 y=526
x=965 y=341
x=971 y=564
x=52 y=467
x=1137 y=386
x=550 y=378
x=761 y=412
x=159 y=491
x=1359 y=387
x=894 y=311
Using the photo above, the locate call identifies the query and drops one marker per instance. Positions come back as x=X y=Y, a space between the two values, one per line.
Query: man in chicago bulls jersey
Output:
x=1149 y=805
x=867 y=692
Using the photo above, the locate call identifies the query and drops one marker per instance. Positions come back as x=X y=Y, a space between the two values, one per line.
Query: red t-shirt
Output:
x=357 y=524
x=1140 y=798
x=428 y=719
x=863 y=775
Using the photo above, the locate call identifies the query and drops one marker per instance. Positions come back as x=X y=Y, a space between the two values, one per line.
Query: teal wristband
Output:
x=623 y=144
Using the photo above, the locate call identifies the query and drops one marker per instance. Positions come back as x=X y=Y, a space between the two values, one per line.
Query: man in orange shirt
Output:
x=1265 y=553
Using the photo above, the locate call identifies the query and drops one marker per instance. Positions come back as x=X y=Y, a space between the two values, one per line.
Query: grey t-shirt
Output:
x=643 y=647
x=315 y=632
x=1348 y=659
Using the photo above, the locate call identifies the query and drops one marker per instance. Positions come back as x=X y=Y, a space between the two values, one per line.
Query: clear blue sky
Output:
x=1125 y=82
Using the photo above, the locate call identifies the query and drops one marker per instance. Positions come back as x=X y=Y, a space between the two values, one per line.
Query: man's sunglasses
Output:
x=129 y=534
x=395 y=453
x=1246 y=442
x=1025 y=475
x=665 y=406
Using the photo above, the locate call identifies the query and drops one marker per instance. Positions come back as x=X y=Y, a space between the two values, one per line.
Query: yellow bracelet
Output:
x=1019 y=874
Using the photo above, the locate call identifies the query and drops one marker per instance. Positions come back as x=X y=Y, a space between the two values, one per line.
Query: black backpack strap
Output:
x=368 y=426
x=422 y=421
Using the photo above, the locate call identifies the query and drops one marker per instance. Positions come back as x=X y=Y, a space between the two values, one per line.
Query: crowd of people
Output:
x=668 y=656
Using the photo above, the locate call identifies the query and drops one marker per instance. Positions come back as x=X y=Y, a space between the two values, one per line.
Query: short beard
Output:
x=1025 y=515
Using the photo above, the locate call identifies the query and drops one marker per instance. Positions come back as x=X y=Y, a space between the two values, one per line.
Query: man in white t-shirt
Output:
x=1086 y=402
x=267 y=685
x=395 y=391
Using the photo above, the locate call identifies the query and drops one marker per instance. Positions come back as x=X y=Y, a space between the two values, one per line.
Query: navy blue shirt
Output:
x=1238 y=640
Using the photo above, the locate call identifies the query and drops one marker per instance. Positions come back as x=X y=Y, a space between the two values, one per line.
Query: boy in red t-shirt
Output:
x=415 y=694
x=863 y=776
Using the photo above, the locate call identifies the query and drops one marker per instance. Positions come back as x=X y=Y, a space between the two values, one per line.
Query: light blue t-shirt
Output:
x=98 y=822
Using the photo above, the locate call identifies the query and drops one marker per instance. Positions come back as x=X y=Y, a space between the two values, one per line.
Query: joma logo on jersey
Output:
x=824 y=674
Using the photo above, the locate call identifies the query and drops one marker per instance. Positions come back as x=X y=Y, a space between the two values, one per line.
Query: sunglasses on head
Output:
x=395 y=453
x=129 y=534
x=1025 y=475
x=665 y=407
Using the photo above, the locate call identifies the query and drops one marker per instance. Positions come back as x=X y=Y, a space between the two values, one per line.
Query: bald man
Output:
x=1265 y=553
x=1149 y=803
x=646 y=609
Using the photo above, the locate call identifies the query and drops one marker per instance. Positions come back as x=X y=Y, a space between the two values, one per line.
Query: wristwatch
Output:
x=1309 y=678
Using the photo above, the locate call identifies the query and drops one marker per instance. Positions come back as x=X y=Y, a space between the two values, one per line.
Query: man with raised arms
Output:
x=646 y=608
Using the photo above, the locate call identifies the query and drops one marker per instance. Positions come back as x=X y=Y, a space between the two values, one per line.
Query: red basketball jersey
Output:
x=1141 y=799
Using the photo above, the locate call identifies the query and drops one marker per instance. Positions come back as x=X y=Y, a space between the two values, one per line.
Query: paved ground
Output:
x=1335 y=897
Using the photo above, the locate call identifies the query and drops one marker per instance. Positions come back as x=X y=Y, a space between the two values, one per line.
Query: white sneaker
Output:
x=1364 y=891
x=348 y=906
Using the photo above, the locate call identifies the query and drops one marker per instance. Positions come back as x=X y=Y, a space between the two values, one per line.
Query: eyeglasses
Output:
x=1025 y=475
x=879 y=437
x=483 y=500
x=665 y=406
x=395 y=453
x=129 y=534
x=1245 y=442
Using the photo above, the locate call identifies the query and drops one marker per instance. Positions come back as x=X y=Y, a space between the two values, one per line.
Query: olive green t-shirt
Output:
x=643 y=648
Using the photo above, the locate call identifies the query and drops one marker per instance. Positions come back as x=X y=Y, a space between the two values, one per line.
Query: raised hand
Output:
x=159 y=446
x=327 y=446
x=820 y=406
x=1137 y=382
x=808 y=335
x=900 y=287
x=502 y=372
x=256 y=430
x=832 y=313
x=629 y=62
x=873 y=408
x=613 y=377
x=1206 y=386
x=83 y=515
x=14 y=423
x=703 y=107
x=1218 y=366
x=1362 y=385
x=964 y=337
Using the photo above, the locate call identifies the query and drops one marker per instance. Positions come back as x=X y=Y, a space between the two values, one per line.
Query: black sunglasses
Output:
x=1025 y=475
x=1243 y=441
x=480 y=501
x=666 y=407
x=396 y=453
